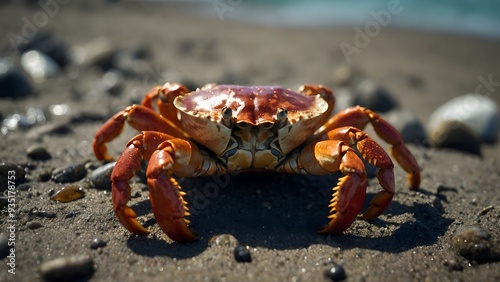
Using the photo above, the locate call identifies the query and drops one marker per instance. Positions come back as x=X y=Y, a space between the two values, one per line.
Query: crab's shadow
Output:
x=279 y=211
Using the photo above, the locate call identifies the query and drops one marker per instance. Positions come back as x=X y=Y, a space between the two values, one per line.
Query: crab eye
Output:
x=282 y=114
x=227 y=113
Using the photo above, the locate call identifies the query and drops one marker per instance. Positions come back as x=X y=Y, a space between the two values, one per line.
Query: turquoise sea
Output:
x=473 y=17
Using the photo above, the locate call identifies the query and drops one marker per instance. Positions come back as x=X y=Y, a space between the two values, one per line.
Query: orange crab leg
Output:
x=329 y=156
x=140 y=118
x=170 y=209
x=169 y=206
x=375 y=155
x=164 y=96
x=359 y=117
x=126 y=167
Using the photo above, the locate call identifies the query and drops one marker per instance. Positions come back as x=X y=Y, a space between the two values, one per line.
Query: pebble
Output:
x=4 y=245
x=336 y=273
x=101 y=177
x=478 y=112
x=49 y=46
x=67 y=268
x=9 y=169
x=111 y=82
x=38 y=152
x=372 y=95
x=226 y=240
x=44 y=175
x=44 y=214
x=242 y=254
x=408 y=124
x=98 y=243
x=46 y=129
x=39 y=66
x=97 y=52
x=24 y=187
x=33 y=224
x=13 y=82
x=475 y=243
x=455 y=135
x=69 y=193
x=70 y=173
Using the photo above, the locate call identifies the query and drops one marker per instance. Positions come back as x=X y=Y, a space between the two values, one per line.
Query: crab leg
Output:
x=359 y=117
x=375 y=155
x=166 y=155
x=164 y=96
x=140 y=118
x=126 y=167
x=326 y=157
x=170 y=209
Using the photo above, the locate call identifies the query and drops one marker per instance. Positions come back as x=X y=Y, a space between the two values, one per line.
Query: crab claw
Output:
x=348 y=198
x=128 y=164
x=169 y=206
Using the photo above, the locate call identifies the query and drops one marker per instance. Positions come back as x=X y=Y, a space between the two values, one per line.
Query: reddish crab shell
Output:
x=202 y=113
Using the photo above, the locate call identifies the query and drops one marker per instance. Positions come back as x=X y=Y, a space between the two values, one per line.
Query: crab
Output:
x=226 y=128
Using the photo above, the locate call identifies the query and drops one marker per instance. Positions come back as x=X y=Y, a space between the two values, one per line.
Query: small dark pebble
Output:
x=242 y=254
x=33 y=224
x=336 y=273
x=67 y=268
x=475 y=244
x=98 y=243
x=372 y=95
x=13 y=82
x=44 y=175
x=86 y=117
x=23 y=187
x=38 y=153
x=69 y=193
x=445 y=188
x=70 y=173
x=4 y=245
x=71 y=214
x=101 y=177
x=44 y=214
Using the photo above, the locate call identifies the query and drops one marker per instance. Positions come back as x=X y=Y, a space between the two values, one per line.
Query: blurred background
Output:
x=478 y=18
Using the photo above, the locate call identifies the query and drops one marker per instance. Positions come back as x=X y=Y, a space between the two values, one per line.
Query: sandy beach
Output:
x=275 y=215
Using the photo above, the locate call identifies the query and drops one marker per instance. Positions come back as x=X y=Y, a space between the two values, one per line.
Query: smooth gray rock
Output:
x=478 y=112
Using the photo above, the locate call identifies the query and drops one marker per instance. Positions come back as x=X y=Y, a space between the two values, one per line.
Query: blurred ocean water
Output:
x=473 y=17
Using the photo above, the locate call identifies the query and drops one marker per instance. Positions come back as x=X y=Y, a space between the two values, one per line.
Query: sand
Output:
x=275 y=215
